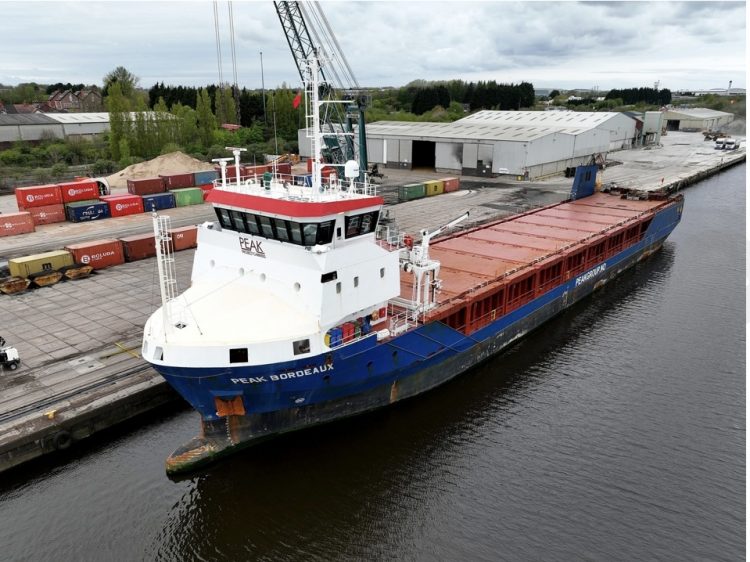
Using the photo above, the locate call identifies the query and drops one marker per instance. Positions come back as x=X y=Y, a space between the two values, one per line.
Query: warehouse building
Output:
x=697 y=119
x=488 y=143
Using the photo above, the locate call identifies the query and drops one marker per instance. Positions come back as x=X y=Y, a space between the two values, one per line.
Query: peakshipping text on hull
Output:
x=307 y=304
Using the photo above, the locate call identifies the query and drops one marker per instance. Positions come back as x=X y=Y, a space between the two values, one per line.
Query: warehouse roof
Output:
x=583 y=120
x=73 y=118
x=16 y=119
x=699 y=113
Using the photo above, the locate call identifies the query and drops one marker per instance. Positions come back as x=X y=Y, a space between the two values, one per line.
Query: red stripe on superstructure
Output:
x=290 y=208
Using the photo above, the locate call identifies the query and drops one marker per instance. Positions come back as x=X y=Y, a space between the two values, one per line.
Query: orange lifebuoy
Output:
x=408 y=241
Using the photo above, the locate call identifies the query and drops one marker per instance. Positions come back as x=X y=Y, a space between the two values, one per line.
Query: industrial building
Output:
x=489 y=143
x=698 y=119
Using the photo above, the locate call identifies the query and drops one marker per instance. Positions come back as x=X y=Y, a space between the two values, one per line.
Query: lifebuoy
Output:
x=408 y=241
x=62 y=440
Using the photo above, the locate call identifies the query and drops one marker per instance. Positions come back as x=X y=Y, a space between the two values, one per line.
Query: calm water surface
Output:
x=615 y=432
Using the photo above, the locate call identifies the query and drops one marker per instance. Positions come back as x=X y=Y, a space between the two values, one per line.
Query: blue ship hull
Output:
x=367 y=374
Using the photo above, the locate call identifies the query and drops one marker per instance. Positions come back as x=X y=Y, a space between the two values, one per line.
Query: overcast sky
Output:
x=684 y=45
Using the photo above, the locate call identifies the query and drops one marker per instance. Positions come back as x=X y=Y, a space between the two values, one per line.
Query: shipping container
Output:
x=146 y=186
x=252 y=171
x=81 y=211
x=284 y=168
x=79 y=191
x=38 y=196
x=16 y=223
x=158 y=201
x=98 y=253
x=433 y=187
x=139 y=247
x=39 y=263
x=48 y=214
x=176 y=181
x=450 y=184
x=411 y=191
x=231 y=172
x=206 y=189
x=204 y=177
x=122 y=205
x=184 y=237
x=188 y=196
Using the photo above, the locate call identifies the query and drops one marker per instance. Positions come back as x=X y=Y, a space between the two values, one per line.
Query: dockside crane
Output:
x=309 y=35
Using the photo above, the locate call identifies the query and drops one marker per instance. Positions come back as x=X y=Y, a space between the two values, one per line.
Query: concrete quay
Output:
x=79 y=341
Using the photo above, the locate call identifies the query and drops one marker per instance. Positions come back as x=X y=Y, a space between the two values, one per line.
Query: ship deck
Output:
x=534 y=245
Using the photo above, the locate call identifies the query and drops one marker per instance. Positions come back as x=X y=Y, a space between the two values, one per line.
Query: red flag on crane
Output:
x=297 y=100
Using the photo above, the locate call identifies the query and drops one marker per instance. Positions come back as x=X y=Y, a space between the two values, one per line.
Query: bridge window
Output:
x=357 y=225
x=303 y=234
x=238 y=355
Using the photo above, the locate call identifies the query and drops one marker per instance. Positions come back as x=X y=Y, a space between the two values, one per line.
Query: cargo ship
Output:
x=307 y=305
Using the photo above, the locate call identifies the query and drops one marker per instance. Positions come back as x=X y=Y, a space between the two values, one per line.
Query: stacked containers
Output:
x=450 y=184
x=145 y=186
x=158 y=201
x=122 y=205
x=176 y=181
x=39 y=263
x=81 y=211
x=79 y=191
x=411 y=191
x=184 y=237
x=256 y=170
x=139 y=247
x=188 y=196
x=16 y=223
x=433 y=187
x=38 y=196
x=98 y=253
x=48 y=214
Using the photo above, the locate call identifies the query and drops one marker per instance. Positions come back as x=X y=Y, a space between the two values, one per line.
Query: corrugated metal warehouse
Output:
x=533 y=143
x=698 y=119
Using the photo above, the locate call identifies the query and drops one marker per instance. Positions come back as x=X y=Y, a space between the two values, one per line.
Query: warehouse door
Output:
x=423 y=154
x=673 y=124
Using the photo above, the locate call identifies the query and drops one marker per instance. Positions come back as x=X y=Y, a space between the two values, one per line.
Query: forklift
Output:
x=9 y=357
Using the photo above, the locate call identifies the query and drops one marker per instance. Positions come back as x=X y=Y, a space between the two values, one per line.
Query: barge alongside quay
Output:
x=307 y=306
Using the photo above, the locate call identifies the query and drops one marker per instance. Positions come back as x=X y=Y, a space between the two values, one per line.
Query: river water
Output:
x=615 y=432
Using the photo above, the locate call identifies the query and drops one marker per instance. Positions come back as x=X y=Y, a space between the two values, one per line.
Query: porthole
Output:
x=212 y=263
x=242 y=271
x=356 y=281
x=262 y=277
x=382 y=272
x=297 y=287
x=338 y=287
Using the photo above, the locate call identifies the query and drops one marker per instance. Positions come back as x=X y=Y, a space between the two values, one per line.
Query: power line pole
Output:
x=263 y=86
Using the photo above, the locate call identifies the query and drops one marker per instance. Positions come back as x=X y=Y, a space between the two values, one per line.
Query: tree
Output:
x=205 y=118
x=553 y=94
x=127 y=80
x=119 y=122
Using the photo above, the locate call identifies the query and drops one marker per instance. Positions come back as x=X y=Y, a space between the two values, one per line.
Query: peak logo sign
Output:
x=252 y=247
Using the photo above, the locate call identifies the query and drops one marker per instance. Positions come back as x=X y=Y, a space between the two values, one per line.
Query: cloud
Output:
x=564 y=44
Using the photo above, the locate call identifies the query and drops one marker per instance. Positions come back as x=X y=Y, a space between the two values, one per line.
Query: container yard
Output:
x=83 y=364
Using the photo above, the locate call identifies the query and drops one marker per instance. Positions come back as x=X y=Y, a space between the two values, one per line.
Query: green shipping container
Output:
x=38 y=263
x=411 y=191
x=187 y=196
x=434 y=187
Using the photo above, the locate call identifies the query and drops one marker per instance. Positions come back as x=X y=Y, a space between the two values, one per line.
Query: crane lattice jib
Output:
x=340 y=146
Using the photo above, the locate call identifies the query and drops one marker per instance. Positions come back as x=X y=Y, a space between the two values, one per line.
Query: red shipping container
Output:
x=16 y=223
x=98 y=253
x=139 y=247
x=184 y=237
x=206 y=187
x=284 y=168
x=48 y=214
x=450 y=184
x=146 y=186
x=251 y=171
x=79 y=191
x=231 y=173
x=38 y=196
x=176 y=181
x=310 y=164
x=121 y=205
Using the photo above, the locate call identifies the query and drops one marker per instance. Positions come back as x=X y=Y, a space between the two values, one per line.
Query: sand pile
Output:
x=172 y=163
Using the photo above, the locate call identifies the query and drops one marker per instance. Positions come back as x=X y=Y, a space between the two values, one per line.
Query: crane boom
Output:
x=336 y=121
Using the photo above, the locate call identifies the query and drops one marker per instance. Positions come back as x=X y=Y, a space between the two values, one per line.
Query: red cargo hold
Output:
x=16 y=223
x=184 y=237
x=146 y=186
x=38 y=196
x=121 y=205
x=139 y=247
x=176 y=181
x=98 y=253
x=48 y=214
x=79 y=191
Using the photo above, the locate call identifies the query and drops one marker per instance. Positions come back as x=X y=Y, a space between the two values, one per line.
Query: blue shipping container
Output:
x=158 y=201
x=307 y=180
x=94 y=210
x=202 y=178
